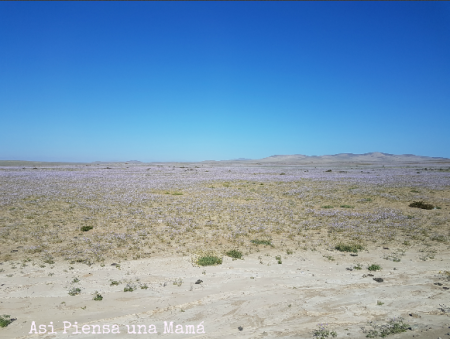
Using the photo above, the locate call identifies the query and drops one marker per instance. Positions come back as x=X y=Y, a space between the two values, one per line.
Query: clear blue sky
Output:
x=192 y=81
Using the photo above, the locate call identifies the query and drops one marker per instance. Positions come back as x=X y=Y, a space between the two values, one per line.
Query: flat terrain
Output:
x=307 y=235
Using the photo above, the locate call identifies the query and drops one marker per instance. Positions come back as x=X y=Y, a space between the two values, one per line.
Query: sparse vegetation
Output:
x=97 y=296
x=5 y=320
x=209 y=260
x=178 y=282
x=234 y=254
x=74 y=291
x=262 y=242
x=394 y=326
x=354 y=248
x=357 y=267
x=129 y=288
x=422 y=205
x=374 y=267
x=86 y=228
x=323 y=332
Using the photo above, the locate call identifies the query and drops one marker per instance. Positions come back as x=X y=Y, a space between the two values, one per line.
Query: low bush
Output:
x=209 y=260
x=5 y=320
x=262 y=242
x=374 y=267
x=349 y=247
x=234 y=254
x=422 y=205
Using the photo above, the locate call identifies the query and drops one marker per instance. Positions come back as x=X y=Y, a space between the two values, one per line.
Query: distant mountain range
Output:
x=350 y=157
x=373 y=157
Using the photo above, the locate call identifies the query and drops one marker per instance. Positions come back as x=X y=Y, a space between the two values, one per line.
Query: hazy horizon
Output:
x=234 y=159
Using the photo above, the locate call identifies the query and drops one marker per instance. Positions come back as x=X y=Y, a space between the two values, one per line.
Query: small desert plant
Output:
x=374 y=267
x=261 y=242
x=440 y=238
x=278 y=258
x=394 y=326
x=379 y=303
x=422 y=205
x=178 y=282
x=349 y=247
x=129 y=288
x=209 y=260
x=323 y=332
x=74 y=291
x=357 y=267
x=5 y=320
x=144 y=287
x=288 y=251
x=114 y=283
x=86 y=228
x=327 y=206
x=49 y=260
x=347 y=206
x=234 y=254
x=97 y=296
x=75 y=280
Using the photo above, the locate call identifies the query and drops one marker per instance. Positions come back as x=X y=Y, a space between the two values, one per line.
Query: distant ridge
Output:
x=373 y=157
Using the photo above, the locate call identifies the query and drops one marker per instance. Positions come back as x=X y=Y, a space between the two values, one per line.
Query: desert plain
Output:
x=276 y=248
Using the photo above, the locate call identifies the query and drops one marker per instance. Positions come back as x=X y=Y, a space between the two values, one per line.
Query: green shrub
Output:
x=349 y=247
x=346 y=206
x=5 y=320
x=209 y=260
x=128 y=288
x=374 y=267
x=262 y=242
x=74 y=291
x=327 y=206
x=97 y=296
x=234 y=254
x=86 y=228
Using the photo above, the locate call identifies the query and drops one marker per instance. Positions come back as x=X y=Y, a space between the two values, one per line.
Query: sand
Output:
x=266 y=299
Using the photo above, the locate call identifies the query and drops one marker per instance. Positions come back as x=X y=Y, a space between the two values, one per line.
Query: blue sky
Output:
x=193 y=81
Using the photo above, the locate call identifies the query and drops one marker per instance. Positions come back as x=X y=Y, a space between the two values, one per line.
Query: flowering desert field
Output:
x=222 y=250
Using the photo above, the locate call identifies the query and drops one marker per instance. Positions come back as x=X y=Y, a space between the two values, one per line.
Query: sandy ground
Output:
x=266 y=299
